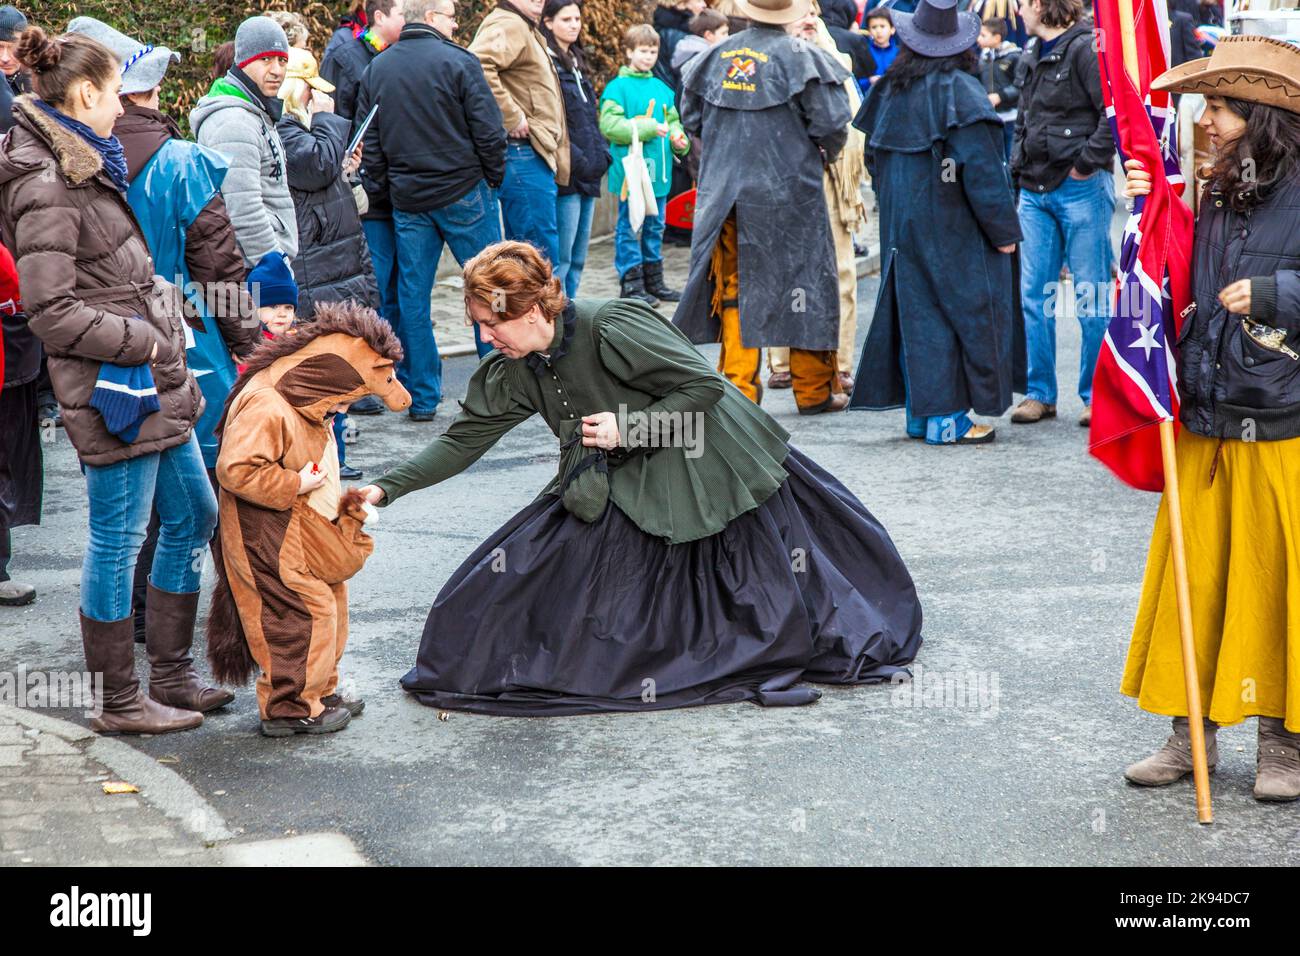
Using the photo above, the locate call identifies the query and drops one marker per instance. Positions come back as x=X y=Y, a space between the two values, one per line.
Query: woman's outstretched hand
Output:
x=600 y=430
x=373 y=494
x=1137 y=181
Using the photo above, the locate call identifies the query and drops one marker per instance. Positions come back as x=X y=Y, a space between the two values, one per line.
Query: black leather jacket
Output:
x=1062 y=123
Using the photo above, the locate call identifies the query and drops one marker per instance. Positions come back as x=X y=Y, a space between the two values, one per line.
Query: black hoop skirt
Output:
x=552 y=615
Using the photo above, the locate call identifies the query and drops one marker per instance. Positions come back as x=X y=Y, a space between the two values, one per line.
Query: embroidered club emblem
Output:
x=740 y=69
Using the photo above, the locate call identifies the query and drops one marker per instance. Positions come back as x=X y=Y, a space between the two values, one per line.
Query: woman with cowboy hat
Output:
x=1239 y=447
x=943 y=339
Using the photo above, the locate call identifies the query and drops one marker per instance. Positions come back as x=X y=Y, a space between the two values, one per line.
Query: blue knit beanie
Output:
x=271 y=281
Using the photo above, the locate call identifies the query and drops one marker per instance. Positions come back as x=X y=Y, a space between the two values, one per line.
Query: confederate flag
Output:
x=1136 y=380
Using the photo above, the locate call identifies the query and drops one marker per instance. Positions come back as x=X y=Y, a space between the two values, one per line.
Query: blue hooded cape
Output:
x=167 y=196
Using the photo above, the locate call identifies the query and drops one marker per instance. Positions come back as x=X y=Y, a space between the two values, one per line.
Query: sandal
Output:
x=977 y=435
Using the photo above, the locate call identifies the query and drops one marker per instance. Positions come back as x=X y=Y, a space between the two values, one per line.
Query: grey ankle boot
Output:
x=1277 y=765
x=1173 y=761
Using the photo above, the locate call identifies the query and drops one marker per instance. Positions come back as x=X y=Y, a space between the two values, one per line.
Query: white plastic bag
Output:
x=641 y=200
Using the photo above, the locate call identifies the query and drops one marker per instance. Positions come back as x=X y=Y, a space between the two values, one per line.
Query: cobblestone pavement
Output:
x=54 y=811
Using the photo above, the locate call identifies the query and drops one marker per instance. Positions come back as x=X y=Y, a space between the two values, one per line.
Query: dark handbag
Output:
x=584 y=477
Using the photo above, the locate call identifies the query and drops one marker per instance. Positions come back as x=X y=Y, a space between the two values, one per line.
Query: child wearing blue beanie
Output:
x=274 y=292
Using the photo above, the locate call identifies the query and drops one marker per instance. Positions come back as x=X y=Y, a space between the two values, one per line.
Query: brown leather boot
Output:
x=1173 y=761
x=169 y=632
x=836 y=403
x=110 y=651
x=1277 y=765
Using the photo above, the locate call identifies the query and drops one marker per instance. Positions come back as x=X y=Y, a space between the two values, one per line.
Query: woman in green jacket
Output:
x=685 y=553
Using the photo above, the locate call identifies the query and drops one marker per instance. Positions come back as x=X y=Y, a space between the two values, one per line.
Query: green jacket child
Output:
x=623 y=107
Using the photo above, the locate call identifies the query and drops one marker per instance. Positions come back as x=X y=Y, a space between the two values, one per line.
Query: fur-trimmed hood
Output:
x=37 y=138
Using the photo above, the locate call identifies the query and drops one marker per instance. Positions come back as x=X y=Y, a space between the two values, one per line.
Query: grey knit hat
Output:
x=143 y=65
x=258 y=37
x=12 y=23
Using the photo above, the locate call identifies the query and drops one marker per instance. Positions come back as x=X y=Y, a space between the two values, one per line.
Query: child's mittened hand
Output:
x=311 y=477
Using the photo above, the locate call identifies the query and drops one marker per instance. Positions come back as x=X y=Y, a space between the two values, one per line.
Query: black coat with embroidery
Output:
x=1236 y=381
x=770 y=110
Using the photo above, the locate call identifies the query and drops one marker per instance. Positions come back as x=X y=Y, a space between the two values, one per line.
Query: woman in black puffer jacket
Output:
x=588 y=151
x=333 y=261
x=1239 y=448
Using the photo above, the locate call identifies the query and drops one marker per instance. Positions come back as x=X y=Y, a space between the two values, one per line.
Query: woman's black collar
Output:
x=569 y=319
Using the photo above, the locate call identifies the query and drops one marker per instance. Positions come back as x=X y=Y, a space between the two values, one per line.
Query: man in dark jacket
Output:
x=15 y=81
x=437 y=149
x=1062 y=157
x=345 y=62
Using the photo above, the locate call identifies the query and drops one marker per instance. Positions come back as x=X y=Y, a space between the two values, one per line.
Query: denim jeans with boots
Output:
x=468 y=225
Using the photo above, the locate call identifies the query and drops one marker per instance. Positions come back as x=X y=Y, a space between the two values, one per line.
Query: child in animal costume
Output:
x=290 y=538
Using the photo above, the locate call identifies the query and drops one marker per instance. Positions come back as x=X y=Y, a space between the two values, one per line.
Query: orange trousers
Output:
x=813 y=373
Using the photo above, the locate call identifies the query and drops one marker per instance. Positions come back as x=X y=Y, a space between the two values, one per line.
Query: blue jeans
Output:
x=528 y=199
x=121 y=497
x=1071 y=224
x=935 y=429
x=339 y=429
x=382 y=240
x=468 y=226
x=631 y=250
x=573 y=222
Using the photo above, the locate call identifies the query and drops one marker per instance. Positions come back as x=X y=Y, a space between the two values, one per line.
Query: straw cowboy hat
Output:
x=1254 y=68
x=779 y=12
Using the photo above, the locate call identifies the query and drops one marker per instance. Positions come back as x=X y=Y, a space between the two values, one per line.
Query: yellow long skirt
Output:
x=1242 y=533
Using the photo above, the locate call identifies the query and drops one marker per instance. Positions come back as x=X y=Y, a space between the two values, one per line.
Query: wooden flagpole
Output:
x=1200 y=768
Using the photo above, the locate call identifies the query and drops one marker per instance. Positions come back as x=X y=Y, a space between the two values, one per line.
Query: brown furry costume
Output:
x=280 y=601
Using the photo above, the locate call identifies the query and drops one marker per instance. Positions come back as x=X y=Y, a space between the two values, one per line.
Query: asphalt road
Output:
x=1028 y=558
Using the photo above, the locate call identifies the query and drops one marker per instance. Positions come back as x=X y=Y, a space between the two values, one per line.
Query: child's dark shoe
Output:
x=353 y=707
x=329 y=720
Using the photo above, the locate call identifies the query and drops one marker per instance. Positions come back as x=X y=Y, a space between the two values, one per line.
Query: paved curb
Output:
x=164 y=789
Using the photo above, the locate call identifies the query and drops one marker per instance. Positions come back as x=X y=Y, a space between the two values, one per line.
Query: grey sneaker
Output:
x=1173 y=761
x=1277 y=765
x=14 y=594
x=328 y=721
